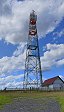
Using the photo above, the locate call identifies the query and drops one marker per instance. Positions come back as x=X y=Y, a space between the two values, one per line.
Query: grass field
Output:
x=7 y=97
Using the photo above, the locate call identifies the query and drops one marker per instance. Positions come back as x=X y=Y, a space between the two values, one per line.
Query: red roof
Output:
x=50 y=81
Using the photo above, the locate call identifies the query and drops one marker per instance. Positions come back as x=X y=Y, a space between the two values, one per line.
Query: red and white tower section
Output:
x=32 y=74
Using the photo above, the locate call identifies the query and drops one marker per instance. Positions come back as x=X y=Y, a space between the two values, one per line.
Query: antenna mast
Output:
x=33 y=73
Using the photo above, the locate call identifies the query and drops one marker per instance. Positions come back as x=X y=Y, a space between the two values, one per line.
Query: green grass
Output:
x=7 y=97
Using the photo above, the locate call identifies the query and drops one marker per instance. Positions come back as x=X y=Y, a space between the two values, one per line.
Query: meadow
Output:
x=7 y=97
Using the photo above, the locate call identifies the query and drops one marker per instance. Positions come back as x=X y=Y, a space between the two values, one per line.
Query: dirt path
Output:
x=32 y=105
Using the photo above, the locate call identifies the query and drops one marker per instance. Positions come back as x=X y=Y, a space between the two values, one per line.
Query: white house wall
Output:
x=58 y=84
x=51 y=87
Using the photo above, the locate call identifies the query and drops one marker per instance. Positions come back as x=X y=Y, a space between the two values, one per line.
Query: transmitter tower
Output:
x=33 y=74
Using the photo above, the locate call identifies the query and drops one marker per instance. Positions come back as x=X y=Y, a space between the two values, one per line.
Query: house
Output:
x=55 y=83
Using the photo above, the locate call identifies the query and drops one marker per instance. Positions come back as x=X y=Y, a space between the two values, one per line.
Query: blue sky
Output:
x=7 y=49
x=53 y=39
x=14 y=34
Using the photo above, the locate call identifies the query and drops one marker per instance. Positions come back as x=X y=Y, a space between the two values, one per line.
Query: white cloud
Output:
x=10 y=78
x=11 y=81
x=9 y=64
x=60 y=62
x=5 y=8
x=53 y=56
x=59 y=34
x=20 y=49
x=14 y=18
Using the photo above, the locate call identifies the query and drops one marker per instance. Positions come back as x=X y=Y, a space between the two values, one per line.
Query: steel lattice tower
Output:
x=33 y=74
